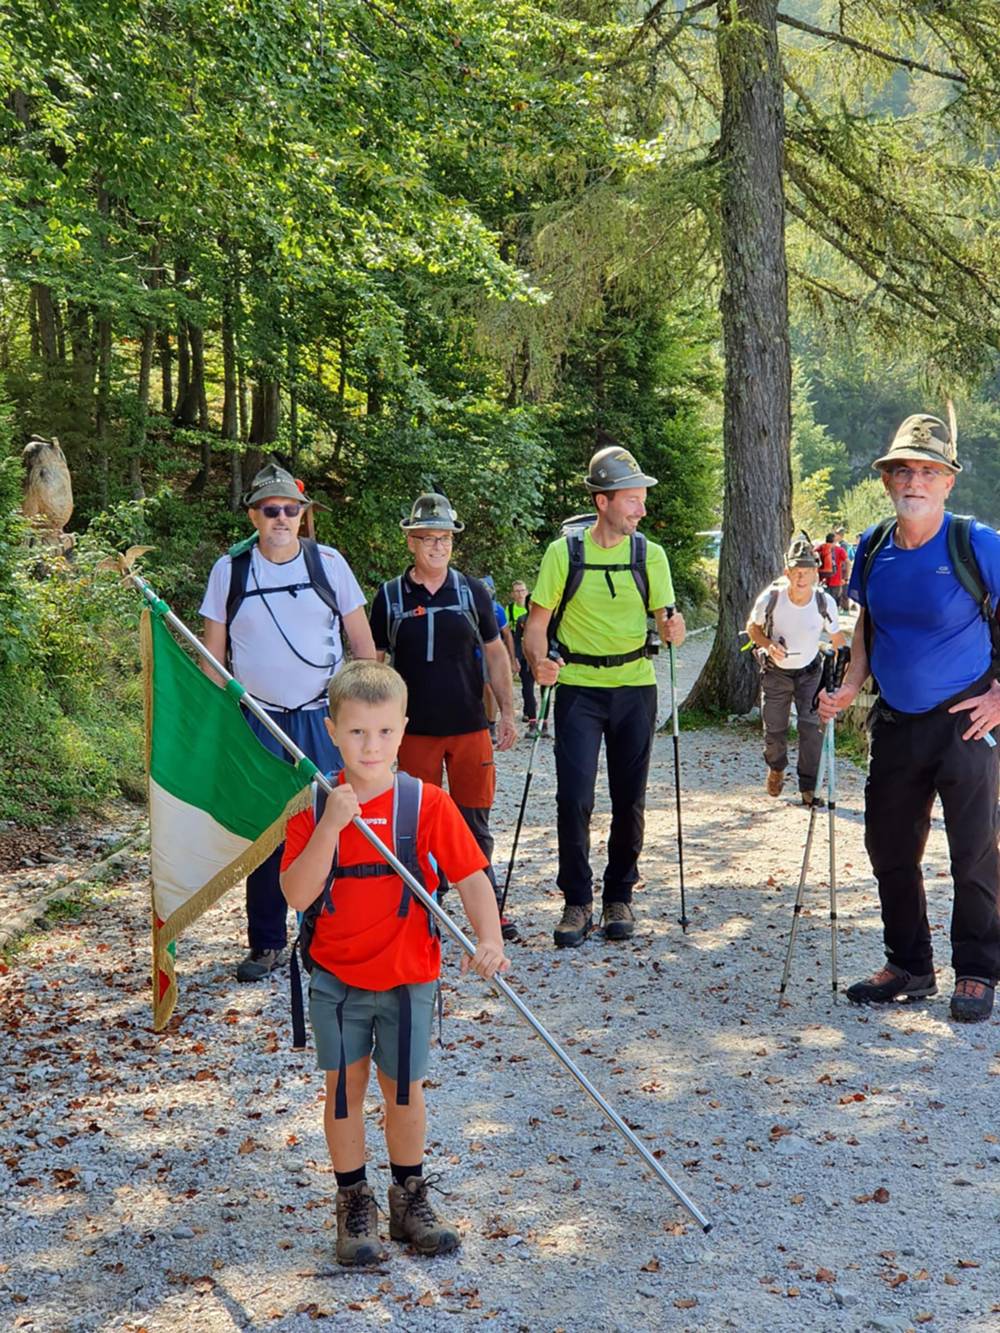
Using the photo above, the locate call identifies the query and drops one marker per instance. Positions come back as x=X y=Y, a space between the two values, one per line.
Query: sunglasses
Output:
x=289 y=511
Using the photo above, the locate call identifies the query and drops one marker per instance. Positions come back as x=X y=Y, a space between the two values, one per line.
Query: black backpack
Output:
x=406 y=799
x=964 y=565
x=464 y=605
x=241 y=555
x=574 y=577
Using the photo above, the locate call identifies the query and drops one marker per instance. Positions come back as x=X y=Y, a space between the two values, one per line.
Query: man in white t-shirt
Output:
x=785 y=625
x=282 y=606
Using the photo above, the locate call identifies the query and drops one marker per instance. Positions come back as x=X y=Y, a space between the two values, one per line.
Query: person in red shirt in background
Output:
x=375 y=967
x=834 y=568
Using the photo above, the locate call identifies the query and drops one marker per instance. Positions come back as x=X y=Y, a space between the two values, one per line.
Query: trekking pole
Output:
x=840 y=663
x=806 y=855
x=546 y=696
x=675 y=725
x=831 y=805
x=234 y=687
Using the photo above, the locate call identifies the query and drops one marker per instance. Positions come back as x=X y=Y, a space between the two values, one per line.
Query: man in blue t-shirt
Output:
x=930 y=653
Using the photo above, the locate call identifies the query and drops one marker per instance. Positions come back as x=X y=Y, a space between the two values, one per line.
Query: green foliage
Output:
x=862 y=505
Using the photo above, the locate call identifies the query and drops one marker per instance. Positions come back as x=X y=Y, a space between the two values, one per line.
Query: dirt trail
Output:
x=849 y=1159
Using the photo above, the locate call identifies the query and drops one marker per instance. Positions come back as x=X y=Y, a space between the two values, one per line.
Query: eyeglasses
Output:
x=289 y=511
x=444 y=539
x=903 y=473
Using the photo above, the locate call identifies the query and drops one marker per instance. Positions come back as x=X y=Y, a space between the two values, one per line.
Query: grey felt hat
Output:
x=923 y=438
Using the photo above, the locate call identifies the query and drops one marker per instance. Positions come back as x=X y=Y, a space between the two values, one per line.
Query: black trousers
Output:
x=912 y=759
x=623 y=717
x=527 y=686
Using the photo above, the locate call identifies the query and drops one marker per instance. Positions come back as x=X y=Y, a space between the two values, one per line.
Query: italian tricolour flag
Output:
x=218 y=800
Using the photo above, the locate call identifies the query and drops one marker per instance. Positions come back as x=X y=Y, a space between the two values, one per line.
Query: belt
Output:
x=616 y=659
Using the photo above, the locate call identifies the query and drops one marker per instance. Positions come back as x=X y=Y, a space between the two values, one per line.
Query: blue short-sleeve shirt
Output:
x=929 y=639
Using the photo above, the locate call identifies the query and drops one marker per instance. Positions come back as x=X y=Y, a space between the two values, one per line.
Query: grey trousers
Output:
x=779 y=689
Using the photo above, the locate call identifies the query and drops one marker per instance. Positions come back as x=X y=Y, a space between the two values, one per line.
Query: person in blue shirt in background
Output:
x=931 y=655
x=507 y=638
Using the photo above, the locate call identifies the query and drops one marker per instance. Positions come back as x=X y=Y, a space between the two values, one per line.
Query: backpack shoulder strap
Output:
x=406 y=802
x=574 y=577
x=638 y=548
x=318 y=576
x=393 y=591
x=964 y=563
x=467 y=602
x=880 y=535
x=769 y=605
x=239 y=572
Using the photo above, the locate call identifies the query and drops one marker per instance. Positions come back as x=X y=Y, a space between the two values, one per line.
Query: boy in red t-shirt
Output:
x=374 y=977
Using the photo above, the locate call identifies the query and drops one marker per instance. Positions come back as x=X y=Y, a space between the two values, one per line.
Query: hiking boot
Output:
x=810 y=798
x=775 y=781
x=619 y=921
x=545 y=728
x=890 y=982
x=508 y=928
x=532 y=725
x=260 y=963
x=972 y=1001
x=576 y=924
x=411 y=1218
x=357 y=1226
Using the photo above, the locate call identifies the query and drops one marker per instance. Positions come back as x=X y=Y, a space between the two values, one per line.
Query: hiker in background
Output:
x=437 y=627
x=507 y=637
x=592 y=597
x=517 y=619
x=833 y=565
x=785 y=626
x=927 y=584
x=280 y=605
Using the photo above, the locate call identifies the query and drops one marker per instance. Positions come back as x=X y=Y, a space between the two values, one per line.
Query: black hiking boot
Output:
x=575 y=925
x=973 y=1000
x=357 y=1227
x=411 y=1218
x=508 y=928
x=260 y=963
x=891 y=983
x=618 y=921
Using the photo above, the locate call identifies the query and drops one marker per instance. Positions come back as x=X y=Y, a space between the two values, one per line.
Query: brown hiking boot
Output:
x=411 y=1218
x=619 y=921
x=775 y=781
x=973 y=1000
x=576 y=924
x=357 y=1227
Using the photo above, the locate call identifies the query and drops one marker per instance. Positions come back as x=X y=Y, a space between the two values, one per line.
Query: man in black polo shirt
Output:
x=438 y=628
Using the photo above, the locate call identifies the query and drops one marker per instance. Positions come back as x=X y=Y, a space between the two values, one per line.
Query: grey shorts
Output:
x=393 y=1025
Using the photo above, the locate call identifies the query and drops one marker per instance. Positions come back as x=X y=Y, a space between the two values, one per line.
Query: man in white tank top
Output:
x=786 y=624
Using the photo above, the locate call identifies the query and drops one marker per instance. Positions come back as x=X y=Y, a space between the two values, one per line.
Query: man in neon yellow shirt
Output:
x=607 y=687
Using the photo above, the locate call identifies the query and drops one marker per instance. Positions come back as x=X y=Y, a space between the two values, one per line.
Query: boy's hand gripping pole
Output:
x=418 y=891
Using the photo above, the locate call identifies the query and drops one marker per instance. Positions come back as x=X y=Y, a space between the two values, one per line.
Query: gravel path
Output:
x=849 y=1159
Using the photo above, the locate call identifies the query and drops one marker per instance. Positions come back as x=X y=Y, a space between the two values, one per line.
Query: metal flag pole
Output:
x=426 y=900
x=543 y=715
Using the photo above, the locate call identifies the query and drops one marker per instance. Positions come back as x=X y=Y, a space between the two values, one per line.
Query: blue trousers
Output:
x=623 y=717
x=267 y=910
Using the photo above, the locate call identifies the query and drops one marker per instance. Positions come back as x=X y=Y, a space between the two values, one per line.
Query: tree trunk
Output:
x=266 y=412
x=36 y=338
x=82 y=346
x=186 y=407
x=196 y=337
x=241 y=380
x=102 y=410
x=166 y=372
x=45 y=316
x=230 y=378
x=138 y=442
x=757 y=515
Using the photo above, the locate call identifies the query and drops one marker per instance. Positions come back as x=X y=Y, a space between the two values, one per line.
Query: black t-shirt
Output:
x=446 y=695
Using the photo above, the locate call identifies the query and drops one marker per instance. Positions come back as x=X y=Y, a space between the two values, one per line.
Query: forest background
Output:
x=442 y=245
